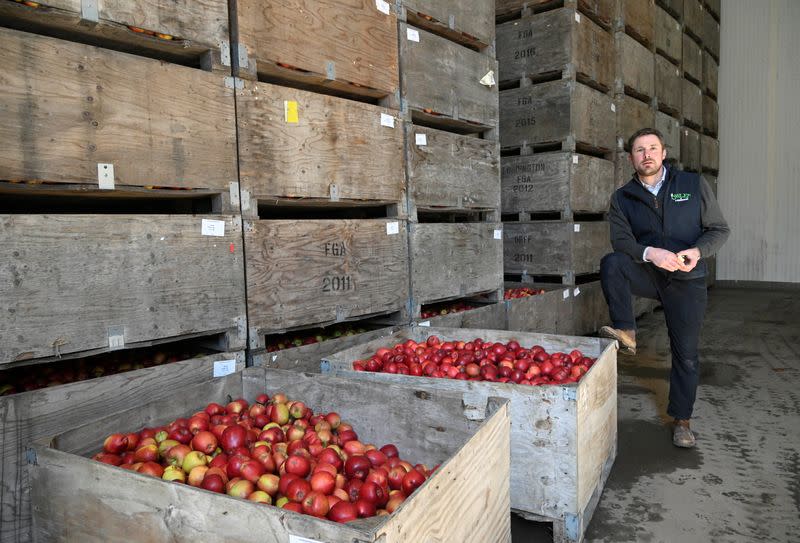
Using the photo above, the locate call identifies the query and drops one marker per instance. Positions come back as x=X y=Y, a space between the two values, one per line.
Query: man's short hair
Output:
x=645 y=132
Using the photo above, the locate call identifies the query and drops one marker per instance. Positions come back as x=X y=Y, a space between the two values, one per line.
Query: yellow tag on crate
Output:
x=290 y=111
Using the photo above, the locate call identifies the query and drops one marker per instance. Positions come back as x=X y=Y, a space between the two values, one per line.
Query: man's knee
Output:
x=614 y=262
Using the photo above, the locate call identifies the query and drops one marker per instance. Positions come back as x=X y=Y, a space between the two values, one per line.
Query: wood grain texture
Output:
x=554 y=247
x=68 y=107
x=709 y=153
x=317 y=272
x=670 y=128
x=444 y=78
x=632 y=114
x=64 y=279
x=668 y=36
x=637 y=18
x=693 y=18
x=710 y=116
x=489 y=317
x=669 y=89
x=454 y=259
x=602 y=11
x=548 y=313
x=557 y=181
x=710 y=35
x=690 y=149
x=635 y=67
x=589 y=309
x=692 y=59
x=335 y=142
x=30 y=416
x=713 y=6
x=545 y=452
x=710 y=74
x=691 y=103
x=308 y=36
x=623 y=170
x=673 y=7
x=465 y=22
x=555 y=42
x=452 y=171
x=555 y=111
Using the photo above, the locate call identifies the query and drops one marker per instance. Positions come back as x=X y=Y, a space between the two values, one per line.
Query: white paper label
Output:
x=392 y=228
x=224 y=367
x=382 y=6
x=577 y=17
x=488 y=80
x=425 y=323
x=577 y=291
x=577 y=227
x=613 y=108
x=274 y=357
x=212 y=227
x=412 y=34
x=387 y=120
x=498 y=234
x=105 y=176
x=298 y=539
x=574 y=159
x=565 y=294
x=421 y=139
x=116 y=338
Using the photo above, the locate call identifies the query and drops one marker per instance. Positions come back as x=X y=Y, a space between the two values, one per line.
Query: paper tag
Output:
x=613 y=108
x=224 y=367
x=488 y=79
x=577 y=227
x=565 y=294
x=577 y=17
x=382 y=6
x=212 y=227
x=392 y=228
x=105 y=176
x=274 y=357
x=577 y=291
x=290 y=111
x=298 y=539
x=421 y=139
x=574 y=159
x=425 y=323
x=387 y=120
x=412 y=34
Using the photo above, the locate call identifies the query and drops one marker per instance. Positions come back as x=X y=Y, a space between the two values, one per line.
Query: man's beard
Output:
x=648 y=169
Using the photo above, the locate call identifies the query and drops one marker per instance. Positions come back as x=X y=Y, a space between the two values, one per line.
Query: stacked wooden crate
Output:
x=119 y=215
x=557 y=135
x=449 y=97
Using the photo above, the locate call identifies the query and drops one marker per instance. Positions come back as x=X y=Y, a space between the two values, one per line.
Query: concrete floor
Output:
x=742 y=481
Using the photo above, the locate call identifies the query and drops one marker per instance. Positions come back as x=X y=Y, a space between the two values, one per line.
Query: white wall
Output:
x=759 y=127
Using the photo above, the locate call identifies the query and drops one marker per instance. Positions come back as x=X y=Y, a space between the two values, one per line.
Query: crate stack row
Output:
x=557 y=134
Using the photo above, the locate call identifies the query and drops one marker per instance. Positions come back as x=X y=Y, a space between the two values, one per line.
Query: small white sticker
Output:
x=421 y=139
x=105 y=176
x=224 y=367
x=392 y=228
x=488 y=80
x=382 y=6
x=577 y=227
x=576 y=292
x=425 y=323
x=412 y=34
x=212 y=227
x=274 y=357
x=565 y=294
x=577 y=17
x=387 y=120
x=613 y=108
x=116 y=338
x=298 y=539
x=498 y=233
x=574 y=159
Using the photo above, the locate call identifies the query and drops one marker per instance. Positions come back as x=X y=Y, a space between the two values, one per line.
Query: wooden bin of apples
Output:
x=278 y=456
x=563 y=394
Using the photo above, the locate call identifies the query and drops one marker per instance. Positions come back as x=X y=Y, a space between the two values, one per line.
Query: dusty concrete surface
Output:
x=742 y=482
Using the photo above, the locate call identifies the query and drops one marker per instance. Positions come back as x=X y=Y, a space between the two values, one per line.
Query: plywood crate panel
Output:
x=690 y=149
x=563 y=438
x=671 y=130
x=710 y=74
x=319 y=272
x=637 y=18
x=558 y=181
x=669 y=87
x=623 y=169
x=555 y=247
x=442 y=82
x=602 y=12
x=450 y=260
x=547 y=313
x=711 y=35
x=673 y=7
x=452 y=171
x=668 y=36
x=712 y=6
x=558 y=111
x=40 y=414
x=693 y=18
x=341 y=46
x=632 y=114
x=490 y=316
x=555 y=42
x=635 y=68
x=187 y=31
x=709 y=153
x=325 y=148
x=692 y=60
x=66 y=279
x=61 y=471
x=589 y=308
x=691 y=104
x=710 y=116
x=69 y=107
x=468 y=23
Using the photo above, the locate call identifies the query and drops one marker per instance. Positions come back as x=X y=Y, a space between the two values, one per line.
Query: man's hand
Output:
x=664 y=259
x=688 y=259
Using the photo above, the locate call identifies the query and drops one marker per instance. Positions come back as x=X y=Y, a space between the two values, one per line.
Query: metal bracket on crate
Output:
x=30 y=456
x=234 y=187
x=571 y=524
x=225 y=53
x=570 y=393
x=474 y=405
x=334 y=192
x=89 y=11
x=242 y=55
x=241 y=327
x=233 y=83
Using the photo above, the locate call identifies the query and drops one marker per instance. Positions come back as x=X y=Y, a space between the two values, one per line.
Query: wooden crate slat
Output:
x=670 y=128
x=669 y=86
x=690 y=149
x=635 y=67
x=632 y=114
x=554 y=247
x=637 y=18
x=692 y=59
x=691 y=103
x=549 y=313
x=668 y=36
x=693 y=18
x=490 y=316
x=709 y=153
x=471 y=23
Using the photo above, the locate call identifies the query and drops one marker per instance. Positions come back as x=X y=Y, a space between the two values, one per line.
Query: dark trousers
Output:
x=684 y=305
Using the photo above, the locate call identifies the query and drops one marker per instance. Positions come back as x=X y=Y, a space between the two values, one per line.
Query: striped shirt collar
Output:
x=654 y=189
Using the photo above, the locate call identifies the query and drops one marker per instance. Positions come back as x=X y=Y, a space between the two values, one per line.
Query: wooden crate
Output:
x=453 y=260
x=451 y=171
x=632 y=114
x=668 y=36
x=320 y=272
x=635 y=68
x=623 y=169
x=563 y=438
x=490 y=316
x=157 y=511
x=637 y=18
x=669 y=87
x=589 y=308
x=39 y=414
x=548 y=313
x=690 y=149
x=691 y=104
x=710 y=116
x=183 y=31
x=693 y=18
x=673 y=7
x=710 y=74
x=709 y=153
x=712 y=6
x=467 y=23
x=442 y=83
x=712 y=181
x=71 y=108
x=557 y=43
x=331 y=45
x=564 y=182
x=602 y=12
x=671 y=130
x=692 y=60
x=711 y=34
x=70 y=280
x=561 y=248
x=326 y=149
x=566 y=112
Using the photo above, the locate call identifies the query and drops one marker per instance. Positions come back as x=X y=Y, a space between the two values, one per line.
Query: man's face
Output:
x=647 y=155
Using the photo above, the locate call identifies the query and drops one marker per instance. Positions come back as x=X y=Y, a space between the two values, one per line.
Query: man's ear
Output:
x=664 y=154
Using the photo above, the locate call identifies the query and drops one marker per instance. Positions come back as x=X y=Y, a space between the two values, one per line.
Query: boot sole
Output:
x=606 y=332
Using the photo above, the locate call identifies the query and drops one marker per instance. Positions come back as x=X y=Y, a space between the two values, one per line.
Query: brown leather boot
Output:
x=626 y=338
x=682 y=435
